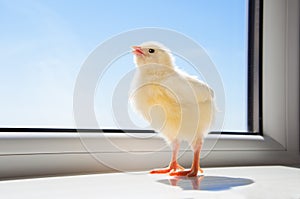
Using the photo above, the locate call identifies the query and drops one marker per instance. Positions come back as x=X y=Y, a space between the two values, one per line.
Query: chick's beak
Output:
x=137 y=50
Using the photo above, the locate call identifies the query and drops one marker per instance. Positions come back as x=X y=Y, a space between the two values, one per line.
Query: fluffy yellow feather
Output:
x=176 y=104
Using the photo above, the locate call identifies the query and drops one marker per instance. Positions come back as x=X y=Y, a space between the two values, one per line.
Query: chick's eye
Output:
x=151 y=50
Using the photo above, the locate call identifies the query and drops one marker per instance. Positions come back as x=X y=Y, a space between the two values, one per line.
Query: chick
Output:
x=176 y=104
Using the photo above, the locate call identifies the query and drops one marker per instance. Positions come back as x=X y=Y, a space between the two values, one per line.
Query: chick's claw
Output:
x=171 y=167
x=160 y=171
x=187 y=173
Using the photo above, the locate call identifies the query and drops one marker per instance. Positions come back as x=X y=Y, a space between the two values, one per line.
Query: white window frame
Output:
x=42 y=153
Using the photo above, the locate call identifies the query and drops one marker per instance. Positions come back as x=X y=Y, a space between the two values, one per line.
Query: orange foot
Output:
x=189 y=173
x=172 y=167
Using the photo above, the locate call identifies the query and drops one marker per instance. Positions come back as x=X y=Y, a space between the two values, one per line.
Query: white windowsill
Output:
x=236 y=182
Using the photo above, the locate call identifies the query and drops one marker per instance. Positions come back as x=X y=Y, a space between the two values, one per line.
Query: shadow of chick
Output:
x=207 y=183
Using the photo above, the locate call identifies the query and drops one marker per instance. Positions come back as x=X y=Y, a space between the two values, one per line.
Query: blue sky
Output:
x=44 y=43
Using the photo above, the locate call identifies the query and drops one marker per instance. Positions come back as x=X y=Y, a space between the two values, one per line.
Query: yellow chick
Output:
x=178 y=105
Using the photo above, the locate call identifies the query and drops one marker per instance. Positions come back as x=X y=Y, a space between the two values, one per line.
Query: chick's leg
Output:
x=173 y=166
x=196 y=162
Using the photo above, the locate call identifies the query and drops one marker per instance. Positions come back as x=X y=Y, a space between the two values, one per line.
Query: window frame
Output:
x=255 y=48
x=55 y=152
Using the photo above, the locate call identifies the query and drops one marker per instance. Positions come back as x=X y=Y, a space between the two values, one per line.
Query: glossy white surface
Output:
x=232 y=182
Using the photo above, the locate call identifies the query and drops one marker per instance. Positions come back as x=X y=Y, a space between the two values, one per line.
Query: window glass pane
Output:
x=44 y=43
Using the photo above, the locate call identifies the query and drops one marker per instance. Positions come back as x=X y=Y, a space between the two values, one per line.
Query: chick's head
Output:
x=152 y=53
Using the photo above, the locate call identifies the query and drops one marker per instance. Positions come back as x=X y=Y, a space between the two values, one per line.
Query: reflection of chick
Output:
x=186 y=104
